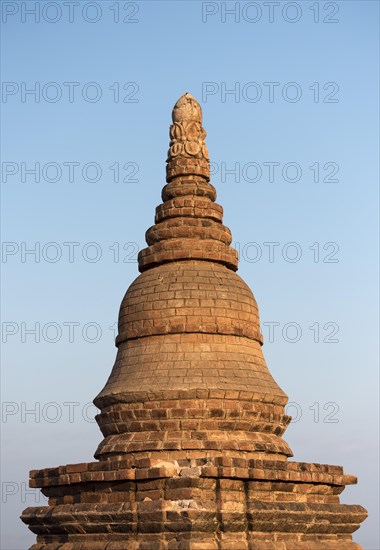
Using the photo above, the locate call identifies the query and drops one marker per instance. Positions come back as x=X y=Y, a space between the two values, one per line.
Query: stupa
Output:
x=193 y=455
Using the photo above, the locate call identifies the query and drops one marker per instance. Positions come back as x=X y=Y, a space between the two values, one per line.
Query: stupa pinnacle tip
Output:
x=187 y=108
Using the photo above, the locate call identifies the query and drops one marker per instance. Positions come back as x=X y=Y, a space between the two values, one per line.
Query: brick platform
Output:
x=192 y=456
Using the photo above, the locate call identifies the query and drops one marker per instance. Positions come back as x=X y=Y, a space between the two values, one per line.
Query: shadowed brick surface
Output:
x=192 y=456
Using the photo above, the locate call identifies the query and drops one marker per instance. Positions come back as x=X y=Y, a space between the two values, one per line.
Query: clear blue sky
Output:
x=306 y=95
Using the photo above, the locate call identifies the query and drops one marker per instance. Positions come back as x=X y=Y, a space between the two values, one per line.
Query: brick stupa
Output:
x=193 y=455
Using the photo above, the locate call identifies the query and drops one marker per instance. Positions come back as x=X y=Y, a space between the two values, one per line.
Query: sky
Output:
x=289 y=92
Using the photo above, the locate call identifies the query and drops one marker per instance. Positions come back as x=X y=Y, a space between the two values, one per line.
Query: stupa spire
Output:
x=188 y=225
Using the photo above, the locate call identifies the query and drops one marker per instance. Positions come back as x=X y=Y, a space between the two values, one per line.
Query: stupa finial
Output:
x=187 y=108
x=187 y=155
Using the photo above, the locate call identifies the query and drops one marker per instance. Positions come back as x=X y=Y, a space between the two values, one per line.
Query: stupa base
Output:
x=200 y=541
x=194 y=503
